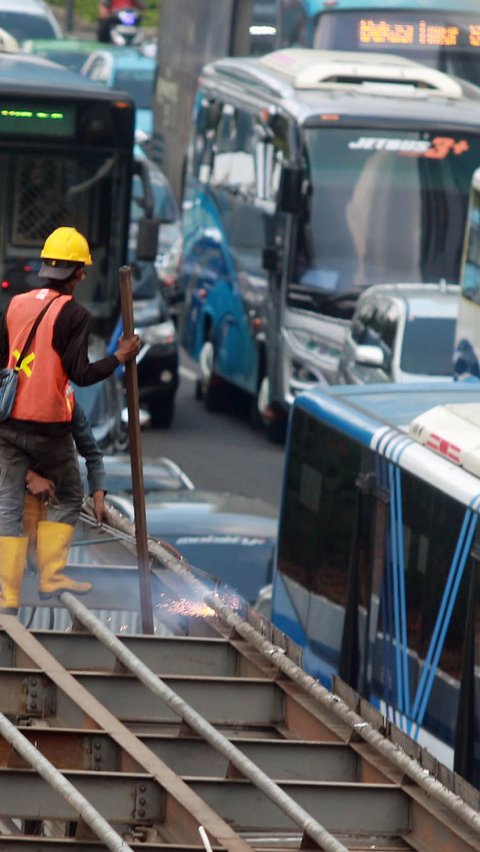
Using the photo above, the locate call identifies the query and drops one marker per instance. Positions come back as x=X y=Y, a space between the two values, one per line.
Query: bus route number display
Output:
x=22 y=119
x=421 y=34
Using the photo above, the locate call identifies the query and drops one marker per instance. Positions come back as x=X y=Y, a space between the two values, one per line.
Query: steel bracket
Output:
x=40 y=696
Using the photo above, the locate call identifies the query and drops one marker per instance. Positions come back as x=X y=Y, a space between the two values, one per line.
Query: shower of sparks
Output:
x=197 y=609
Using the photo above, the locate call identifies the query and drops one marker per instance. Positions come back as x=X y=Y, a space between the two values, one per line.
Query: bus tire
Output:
x=216 y=394
x=276 y=425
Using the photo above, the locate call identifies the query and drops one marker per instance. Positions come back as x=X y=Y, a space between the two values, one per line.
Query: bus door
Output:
x=222 y=209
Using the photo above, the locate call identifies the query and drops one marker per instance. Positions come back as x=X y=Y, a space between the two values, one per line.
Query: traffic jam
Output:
x=239 y=424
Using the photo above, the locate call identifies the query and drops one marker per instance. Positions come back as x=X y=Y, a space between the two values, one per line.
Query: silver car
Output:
x=401 y=333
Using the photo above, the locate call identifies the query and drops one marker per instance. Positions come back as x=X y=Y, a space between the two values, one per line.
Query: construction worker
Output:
x=38 y=434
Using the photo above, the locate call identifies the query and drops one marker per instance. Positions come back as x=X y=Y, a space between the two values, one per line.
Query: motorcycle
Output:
x=125 y=27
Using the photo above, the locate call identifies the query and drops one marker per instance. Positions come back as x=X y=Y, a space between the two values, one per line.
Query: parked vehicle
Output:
x=168 y=267
x=28 y=19
x=164 y=209
x=69 y=52
x=130 y=70
x=159 y=475
x=400 y=333
x=104 y=405
x=230 y=537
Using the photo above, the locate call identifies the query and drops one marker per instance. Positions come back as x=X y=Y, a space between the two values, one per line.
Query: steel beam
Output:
x=223 y=701
x=341 y=808
x=280 y=759
x=164 y=655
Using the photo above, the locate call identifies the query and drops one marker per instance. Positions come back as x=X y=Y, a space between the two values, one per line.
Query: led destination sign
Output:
x=21 y=119
x=419 y=34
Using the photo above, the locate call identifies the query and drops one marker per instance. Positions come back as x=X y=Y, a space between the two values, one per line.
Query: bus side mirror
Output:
x=147 y=241
x=370 y=356
x=290 y=190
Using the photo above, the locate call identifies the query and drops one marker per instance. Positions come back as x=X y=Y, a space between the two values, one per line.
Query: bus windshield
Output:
x=381 y=207
x=447 y=40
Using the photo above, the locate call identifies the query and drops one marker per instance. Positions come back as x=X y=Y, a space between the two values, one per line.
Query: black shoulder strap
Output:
x=32 y=332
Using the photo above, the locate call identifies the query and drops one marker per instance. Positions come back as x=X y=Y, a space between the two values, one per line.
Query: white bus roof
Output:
x=306 y=69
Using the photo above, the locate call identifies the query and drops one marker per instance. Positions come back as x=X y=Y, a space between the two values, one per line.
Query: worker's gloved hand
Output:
x=128 y=348
x=40 y=487
x=99 y=508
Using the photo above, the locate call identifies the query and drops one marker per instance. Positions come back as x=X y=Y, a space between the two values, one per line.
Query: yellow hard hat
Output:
x=67 y=244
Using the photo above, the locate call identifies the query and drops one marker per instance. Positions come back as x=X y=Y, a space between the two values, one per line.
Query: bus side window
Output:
x=234 y=163
x=201 y=149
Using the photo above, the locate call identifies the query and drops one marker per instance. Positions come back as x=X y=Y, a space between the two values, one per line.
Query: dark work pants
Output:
x=55 y=457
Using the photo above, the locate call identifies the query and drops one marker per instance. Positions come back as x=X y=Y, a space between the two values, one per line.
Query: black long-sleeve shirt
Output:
x=70 y=341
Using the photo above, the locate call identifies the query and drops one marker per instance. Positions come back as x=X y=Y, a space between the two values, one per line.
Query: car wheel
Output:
x=162 y=411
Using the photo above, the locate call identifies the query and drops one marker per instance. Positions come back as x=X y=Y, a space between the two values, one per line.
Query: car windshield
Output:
x=138 y=82
x=23 y=26
x=382 y=206
x=428 y=346
x=72 y=59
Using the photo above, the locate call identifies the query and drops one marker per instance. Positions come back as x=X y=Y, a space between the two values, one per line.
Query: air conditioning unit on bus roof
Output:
x=452 y=431
x=310 y=69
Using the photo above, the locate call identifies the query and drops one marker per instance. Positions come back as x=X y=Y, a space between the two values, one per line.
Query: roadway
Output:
x=219 y=452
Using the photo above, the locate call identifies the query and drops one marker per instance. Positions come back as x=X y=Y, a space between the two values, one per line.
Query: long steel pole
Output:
x=131 y=381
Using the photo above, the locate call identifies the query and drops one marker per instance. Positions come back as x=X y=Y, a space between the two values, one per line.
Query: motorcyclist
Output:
x=108 y=8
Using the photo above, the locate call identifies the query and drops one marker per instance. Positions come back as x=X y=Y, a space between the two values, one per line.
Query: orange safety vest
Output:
x=42 y=381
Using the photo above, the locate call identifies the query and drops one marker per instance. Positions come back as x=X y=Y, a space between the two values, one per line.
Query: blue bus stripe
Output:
x=456 y=562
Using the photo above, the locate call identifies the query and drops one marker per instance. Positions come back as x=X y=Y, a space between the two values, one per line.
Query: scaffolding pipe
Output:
x=397 y=757
x=201 y=726
x=100 y=827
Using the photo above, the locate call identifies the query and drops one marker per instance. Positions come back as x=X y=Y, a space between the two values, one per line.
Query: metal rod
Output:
x=131 y=381
x=100 y=827
x=202 y=726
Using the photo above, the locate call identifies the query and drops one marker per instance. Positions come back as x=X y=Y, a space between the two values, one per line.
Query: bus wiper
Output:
x=102 y=172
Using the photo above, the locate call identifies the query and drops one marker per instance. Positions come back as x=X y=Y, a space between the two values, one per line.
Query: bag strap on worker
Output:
x=32 y=333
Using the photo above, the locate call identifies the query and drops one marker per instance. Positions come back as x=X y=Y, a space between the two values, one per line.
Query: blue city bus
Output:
x=311 y=175
x=442 y=33
x=377 y=575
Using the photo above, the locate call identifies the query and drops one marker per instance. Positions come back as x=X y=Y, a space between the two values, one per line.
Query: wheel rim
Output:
x=263 y=397
x=205 y=362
